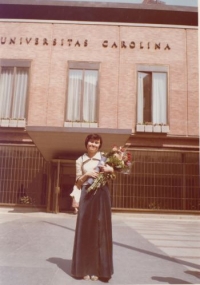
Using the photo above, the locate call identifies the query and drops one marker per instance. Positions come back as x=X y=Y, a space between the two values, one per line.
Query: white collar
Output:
x=97 y=156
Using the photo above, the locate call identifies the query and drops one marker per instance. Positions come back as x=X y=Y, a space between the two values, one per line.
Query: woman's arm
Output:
x=80 y=177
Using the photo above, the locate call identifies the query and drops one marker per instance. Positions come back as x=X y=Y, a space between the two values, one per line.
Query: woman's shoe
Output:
x=94 y=278
x=86 y=277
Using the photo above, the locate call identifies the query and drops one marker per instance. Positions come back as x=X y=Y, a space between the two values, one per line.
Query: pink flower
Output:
x=114 y=148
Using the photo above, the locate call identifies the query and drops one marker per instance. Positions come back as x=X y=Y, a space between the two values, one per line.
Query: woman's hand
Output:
x=85 y=176
x=92 y=174
x=106 y=168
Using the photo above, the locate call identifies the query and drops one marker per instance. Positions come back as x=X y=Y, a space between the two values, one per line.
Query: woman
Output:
x=92 y=254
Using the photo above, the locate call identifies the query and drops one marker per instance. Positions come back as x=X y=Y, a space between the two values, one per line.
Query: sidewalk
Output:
x=36 y=248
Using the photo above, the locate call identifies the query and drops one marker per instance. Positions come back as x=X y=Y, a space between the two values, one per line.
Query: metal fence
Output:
x=159 y=180
x=22 y=176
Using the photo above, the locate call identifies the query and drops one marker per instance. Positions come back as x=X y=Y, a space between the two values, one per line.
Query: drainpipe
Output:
x=57 y=188
x=49 y=188
x=184 y=183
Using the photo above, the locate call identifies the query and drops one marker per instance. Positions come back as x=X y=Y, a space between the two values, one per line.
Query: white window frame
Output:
x=16 y=63
x=84 y=66
x=140 y=101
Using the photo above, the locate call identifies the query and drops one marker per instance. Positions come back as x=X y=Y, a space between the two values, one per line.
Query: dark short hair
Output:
x=93 y=137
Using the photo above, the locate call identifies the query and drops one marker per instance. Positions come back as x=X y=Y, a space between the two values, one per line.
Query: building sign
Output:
x=132 y=45
x=84 y=43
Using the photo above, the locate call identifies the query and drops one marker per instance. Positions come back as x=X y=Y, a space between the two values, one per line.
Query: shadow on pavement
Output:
x=70 y=229
x=170 y=280
x=63 y=264
x=193 y=273
x=159 y=256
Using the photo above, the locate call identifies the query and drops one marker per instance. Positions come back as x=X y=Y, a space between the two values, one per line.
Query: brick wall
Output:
x=118 y=86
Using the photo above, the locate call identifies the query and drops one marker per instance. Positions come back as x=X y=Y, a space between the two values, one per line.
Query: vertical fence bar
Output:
x=49 y=187
x=183 y=183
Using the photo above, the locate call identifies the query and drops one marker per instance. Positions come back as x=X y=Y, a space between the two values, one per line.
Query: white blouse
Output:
x=84 y=164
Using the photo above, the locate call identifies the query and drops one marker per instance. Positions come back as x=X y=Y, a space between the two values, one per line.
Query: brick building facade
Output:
x=145 y=85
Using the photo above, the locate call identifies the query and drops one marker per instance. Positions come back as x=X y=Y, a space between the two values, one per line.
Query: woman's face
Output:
x=93 y=146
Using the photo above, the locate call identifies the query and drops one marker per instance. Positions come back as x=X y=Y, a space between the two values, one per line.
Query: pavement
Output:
x=36 y=248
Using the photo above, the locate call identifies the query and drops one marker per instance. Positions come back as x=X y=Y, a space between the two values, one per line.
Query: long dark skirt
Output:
x=92 y=254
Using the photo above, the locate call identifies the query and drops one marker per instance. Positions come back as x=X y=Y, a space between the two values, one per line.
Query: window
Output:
x=82 y=92
x=152 y=95
x=13 y=88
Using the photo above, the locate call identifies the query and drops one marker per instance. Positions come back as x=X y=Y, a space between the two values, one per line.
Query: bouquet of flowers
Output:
x=119 y=159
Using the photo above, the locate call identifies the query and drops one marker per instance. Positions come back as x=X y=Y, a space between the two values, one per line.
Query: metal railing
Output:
x=22 y=176
x=159 y=180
